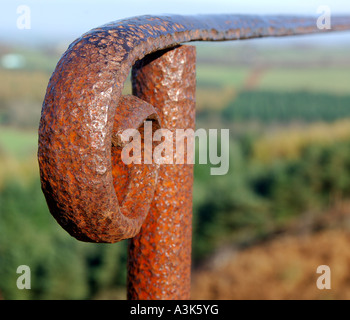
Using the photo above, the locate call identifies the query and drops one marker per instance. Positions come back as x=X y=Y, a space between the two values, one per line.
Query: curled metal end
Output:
x=125 y=190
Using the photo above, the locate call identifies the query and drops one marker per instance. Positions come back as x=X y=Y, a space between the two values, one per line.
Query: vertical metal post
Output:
x=159 y=262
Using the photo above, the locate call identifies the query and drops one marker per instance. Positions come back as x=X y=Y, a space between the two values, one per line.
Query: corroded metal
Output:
x=83 y=97
x=90 y=192
x=159 y=265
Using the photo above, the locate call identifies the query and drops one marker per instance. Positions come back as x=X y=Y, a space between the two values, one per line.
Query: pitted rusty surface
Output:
x=159 y=265
x=126 y=180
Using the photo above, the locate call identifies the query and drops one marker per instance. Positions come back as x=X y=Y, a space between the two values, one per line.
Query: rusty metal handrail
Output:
x=89 y=191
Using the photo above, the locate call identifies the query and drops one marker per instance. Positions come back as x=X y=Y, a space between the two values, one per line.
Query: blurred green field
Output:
x=221 y=76
x=18 y=143
x=317 y=80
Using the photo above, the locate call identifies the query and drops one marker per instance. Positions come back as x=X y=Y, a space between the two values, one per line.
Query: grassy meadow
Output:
x=288 y=111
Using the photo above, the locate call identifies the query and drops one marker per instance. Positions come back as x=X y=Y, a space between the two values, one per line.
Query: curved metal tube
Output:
x=83 y=106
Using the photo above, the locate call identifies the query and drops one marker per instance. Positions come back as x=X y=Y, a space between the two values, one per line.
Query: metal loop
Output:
x=117 y=200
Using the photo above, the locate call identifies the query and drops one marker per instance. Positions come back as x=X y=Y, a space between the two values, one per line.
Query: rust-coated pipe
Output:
x=160 y=255
x=89 y=190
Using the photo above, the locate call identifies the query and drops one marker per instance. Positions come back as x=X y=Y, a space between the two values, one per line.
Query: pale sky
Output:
x=68 y=19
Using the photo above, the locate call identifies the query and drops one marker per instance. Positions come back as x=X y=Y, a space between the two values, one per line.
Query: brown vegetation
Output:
x=284 y=268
